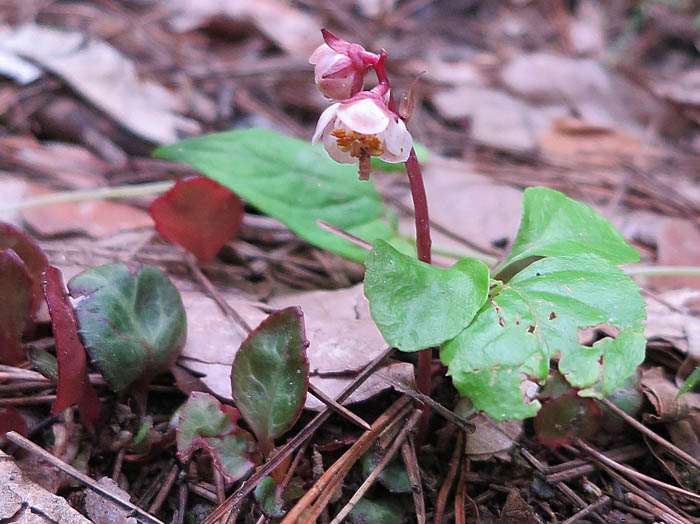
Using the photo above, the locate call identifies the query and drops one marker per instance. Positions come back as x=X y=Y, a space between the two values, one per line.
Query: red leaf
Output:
x=15 y=306
x=11 y=420
x=199 y=215
x=30 y=252
x=73 y=384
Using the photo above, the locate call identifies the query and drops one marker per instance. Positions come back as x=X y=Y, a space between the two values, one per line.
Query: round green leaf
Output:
x=268 y=495
x=416 y=305
x=376 y=512
x=270 y=374
x=553 y=224
x=132 y=324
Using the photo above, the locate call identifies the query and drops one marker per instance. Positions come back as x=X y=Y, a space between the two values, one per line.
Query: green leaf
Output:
x=376 y=512
x=690 y=382
x=393 y=477
x=554 y=225
x=205 y=423
x=416 y=305
x=268 y=495
x=293 y=181
x=132 y=324
x=536 y=317
x=270 y=374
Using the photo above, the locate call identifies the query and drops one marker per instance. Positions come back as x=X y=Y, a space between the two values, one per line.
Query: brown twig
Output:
x=383 y=463
x=634 y=473
x=164 y=490
x=338 y=408
x=408 y=451
x=449 y=479
x=649 y=433
x=81 y=477
x=461 y=497
x=603 y=501
x=324 y=487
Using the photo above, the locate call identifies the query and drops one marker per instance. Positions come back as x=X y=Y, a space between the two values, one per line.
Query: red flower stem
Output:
x=423 y=243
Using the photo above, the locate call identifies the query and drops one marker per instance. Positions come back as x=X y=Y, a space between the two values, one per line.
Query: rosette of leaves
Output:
x=497 y=333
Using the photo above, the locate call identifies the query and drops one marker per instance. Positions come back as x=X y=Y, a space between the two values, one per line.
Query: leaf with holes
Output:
x=292 y=181
x=31 y=254
x=554 y=225
x=536 y=317
x=270 y=375
x=205 y=423
x=15 y=307
x=199 y=215
x=133 y=324
x=73 y=385
x=416 y=305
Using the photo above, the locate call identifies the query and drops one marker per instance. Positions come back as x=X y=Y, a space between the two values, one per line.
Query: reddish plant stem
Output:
x=423 y=243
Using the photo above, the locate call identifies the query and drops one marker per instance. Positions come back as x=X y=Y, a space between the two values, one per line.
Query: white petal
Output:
x=397 y=142
x=327 y=117
x=337 y=154
x=364 y=116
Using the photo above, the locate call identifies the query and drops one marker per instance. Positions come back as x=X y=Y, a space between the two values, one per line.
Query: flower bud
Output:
x=340 y=67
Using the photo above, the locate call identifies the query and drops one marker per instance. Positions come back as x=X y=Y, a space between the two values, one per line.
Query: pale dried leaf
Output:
x=22 y=501
x=678 y=244
x=291 y=29
x=491 y=438
x=343 y=339
x=676 y=324
x=94 y=218
x=105 y=77
x=598 y=95
x=102 y=510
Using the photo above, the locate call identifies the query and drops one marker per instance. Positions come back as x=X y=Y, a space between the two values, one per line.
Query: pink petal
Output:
x=321 y=53
x=324 y=121
x=364 y=116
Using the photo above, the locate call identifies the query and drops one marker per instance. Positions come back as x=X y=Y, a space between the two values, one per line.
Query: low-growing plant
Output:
x=499 y=330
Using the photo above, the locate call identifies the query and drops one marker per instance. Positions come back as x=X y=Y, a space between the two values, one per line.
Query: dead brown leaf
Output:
x=103 y=511
x=293 y=30
x=678 y=244
x=105 y=77
x=517 y=511
x=491 y=438
x=343 y=339
x=23 y=501
x=94 y=218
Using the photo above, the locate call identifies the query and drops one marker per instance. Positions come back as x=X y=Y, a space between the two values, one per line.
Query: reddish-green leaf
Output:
x=199 y=215
x=565 y=417
x=132 y=323
x=11 y=420
x=73 y=384
x=15 y=306
x=270 y=374
x=30 y=252
x=205 y=423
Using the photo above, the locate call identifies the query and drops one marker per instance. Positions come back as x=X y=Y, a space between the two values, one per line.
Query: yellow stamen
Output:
x=358 y=144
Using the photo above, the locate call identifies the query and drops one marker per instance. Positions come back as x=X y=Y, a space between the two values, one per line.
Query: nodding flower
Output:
x=340 y=67
x=361 y=127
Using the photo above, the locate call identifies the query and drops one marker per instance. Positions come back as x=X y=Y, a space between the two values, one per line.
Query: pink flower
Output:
x=340 y=67
x=357 y=129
